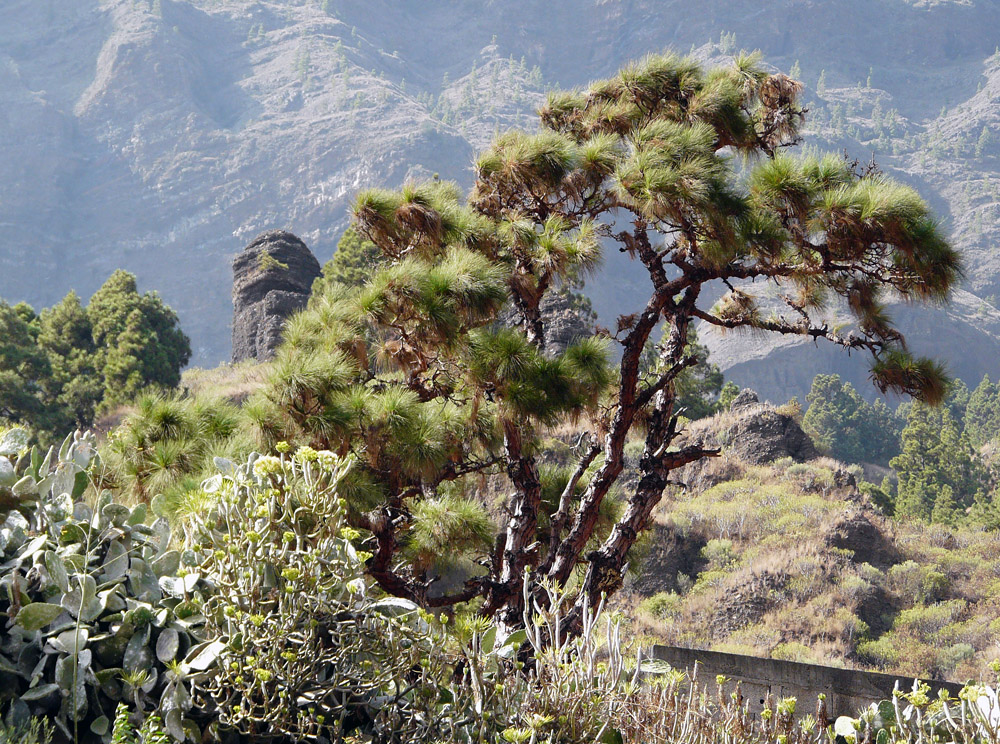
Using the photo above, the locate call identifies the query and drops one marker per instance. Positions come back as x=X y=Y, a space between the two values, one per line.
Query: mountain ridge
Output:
x=160 y=136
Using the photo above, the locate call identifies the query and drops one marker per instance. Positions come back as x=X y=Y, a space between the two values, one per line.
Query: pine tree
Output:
x=821 y=84
x=935 y=454
x=413 y=373
x=353 y=263
x=75 y=385
x=982 y=415
x=845 y=425
x=983 y=142
x=137 y=337
x=23 y=369
x=945 y=508
x=957 y=399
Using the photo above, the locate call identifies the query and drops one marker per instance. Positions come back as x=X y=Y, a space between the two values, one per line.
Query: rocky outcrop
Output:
x=272 y=279
x=763 y=434
x=869 y=537
x=755 y=432
x=744 y=399
x=747 y=603
x=671 y=552
x=563 y=322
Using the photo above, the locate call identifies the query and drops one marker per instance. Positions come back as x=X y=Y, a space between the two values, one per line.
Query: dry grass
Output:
x=936 y=612
x=234 y=382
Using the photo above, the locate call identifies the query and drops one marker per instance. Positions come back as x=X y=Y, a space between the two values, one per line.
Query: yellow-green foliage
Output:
x=933 y=611
x=754 y=507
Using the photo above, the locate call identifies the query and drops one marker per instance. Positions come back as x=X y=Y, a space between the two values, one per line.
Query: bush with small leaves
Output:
x=34 y=731
x=149 y=732
x=300 y=650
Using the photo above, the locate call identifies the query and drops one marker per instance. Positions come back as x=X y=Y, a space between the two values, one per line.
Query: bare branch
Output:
x=559 y=519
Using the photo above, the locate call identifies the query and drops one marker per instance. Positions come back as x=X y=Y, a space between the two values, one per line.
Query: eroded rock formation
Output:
x=272 y=279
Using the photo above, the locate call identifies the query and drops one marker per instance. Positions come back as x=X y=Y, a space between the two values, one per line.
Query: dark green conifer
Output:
x=982 y=416
x=846 y=426
x=934 y=455
x=137 y=337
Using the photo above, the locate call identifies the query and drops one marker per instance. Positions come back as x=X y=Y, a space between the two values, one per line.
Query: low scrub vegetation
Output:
x=796 y=563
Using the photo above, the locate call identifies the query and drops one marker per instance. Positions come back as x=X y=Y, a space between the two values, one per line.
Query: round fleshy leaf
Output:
x=158 y=505
x=7 y=475
x=57 y=570
x=37 y=615
x=167 y=645
x=13 y=441
x=174 y=723
x=138 y=515
x=100 y=725
x=137 y=653
x=42 y=691
x=844 y=726
x=204 y=655
x=116 y=562
x=71 y=641
x=117 y=514
x=27 y=486
x=167 y=564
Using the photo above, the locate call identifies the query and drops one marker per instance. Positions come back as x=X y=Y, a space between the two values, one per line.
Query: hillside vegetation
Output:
x=793 y=560
x=408 y=524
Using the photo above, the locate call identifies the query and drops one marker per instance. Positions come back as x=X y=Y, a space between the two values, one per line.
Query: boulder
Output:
x=744 y=399
x=758 y=434
x=868 y=536
x=272 y=279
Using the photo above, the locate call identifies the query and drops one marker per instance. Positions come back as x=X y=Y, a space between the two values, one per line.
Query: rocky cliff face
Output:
x=272 y=279
x=160 y=135
x=562 y=322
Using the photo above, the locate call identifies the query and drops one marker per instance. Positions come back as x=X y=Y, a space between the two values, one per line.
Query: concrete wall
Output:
x=847 y=691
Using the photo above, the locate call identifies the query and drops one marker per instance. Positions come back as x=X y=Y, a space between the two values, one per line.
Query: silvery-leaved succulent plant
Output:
x=97 y=607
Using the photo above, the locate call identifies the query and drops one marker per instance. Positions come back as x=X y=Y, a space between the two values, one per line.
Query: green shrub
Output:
x=793 y=651
x=168 y=444
x=149 y=732
x=882 y=652
x=719 y=553
x=923 y=583
x=855 y=587
x=662 y=605
x=951 y=656
x=32 y=731
x=309 y=651
x=927 y=621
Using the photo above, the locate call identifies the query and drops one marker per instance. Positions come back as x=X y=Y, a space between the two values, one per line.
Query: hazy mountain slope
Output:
x=161 y=135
